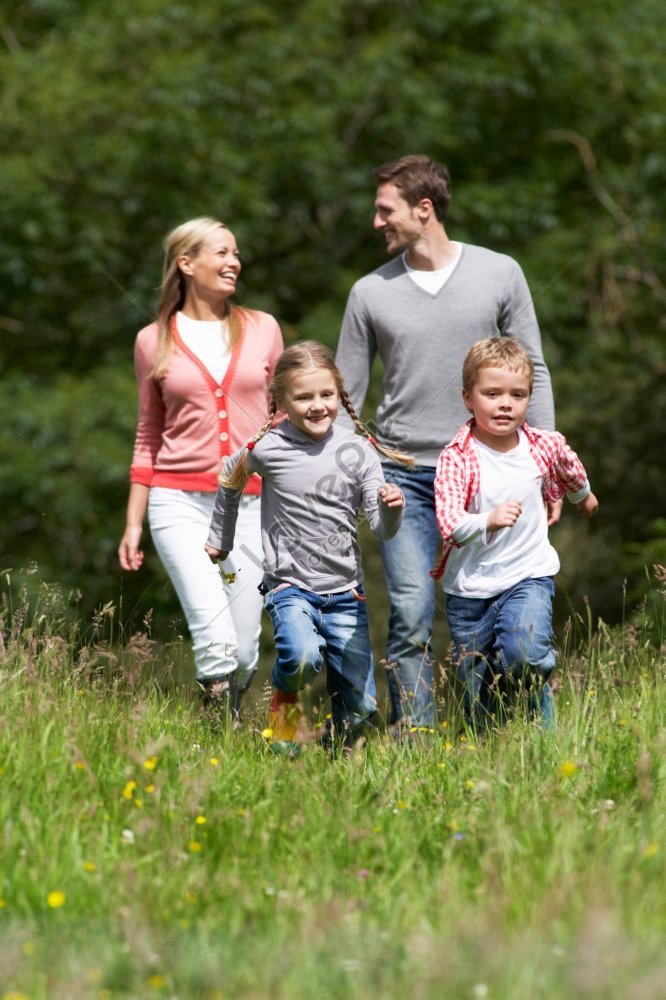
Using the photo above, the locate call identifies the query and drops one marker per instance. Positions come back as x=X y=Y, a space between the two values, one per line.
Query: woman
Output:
x=203 y=369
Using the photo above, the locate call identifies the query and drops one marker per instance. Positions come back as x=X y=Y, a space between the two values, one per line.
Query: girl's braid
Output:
x=239 y=475
x=393 y=456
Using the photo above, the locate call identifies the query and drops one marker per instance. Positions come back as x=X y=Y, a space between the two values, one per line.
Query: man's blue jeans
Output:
x=504 y=638
x=408 y=558
x=316 y=629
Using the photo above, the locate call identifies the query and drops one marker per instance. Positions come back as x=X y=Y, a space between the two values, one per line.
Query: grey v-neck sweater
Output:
x=422 y=340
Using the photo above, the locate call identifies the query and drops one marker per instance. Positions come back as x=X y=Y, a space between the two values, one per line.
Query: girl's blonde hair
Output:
x=305 y=356
x=496 y=352
x=185 y=240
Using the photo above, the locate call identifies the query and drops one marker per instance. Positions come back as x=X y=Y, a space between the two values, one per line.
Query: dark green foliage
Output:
x=117 y=124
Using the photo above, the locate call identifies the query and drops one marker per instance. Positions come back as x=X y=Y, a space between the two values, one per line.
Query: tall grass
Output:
x=148 y=852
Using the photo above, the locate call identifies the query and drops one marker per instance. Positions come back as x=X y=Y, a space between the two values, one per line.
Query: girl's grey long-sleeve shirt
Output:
x=312 y=492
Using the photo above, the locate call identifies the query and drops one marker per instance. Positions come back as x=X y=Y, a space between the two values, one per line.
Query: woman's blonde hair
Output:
x=185 y=240
x=305 y=356
x=496 y=352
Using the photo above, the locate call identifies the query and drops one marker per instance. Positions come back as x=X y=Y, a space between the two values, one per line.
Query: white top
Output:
x=432 y=281
x=490 y=563
x=208 y=340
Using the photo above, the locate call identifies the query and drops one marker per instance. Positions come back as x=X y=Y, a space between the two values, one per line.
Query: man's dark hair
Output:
x=418 y=177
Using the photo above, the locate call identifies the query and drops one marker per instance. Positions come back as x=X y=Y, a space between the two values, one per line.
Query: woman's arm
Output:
x=129 y=553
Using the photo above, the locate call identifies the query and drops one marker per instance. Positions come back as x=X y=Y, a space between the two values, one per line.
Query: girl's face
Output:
x=214 y=271
x=311 y=402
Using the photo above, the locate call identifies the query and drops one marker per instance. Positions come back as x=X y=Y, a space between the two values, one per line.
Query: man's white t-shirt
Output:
x=432 y=281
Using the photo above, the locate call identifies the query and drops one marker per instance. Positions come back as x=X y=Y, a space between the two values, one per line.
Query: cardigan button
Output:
x=222 y=414
x=224 y=436
x=219 y=393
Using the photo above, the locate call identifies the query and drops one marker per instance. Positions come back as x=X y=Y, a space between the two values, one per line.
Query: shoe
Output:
x=284 y=717
x=220 y=695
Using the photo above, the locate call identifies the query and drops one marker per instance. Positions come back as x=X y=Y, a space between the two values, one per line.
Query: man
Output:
x=421 y=313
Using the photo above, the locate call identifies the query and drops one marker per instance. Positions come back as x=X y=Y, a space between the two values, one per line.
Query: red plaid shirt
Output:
x=457 y=477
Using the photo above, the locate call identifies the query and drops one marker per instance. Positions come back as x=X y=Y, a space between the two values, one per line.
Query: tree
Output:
x=117 y=126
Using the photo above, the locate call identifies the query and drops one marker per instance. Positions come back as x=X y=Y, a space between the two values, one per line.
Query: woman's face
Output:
x=214 y=271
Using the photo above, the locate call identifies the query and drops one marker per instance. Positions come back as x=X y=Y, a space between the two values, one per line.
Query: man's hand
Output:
x=554 y=511
x=504 y=516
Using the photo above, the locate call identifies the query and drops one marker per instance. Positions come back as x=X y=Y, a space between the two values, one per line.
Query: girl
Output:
x=203 y=369
x=316 y=476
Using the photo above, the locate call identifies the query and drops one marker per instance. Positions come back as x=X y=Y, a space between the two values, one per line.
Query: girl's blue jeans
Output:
x=506 y=638
x=332 y=629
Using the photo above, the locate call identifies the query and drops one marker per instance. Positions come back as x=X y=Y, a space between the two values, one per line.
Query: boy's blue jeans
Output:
x=316 y=629
x=508 y=636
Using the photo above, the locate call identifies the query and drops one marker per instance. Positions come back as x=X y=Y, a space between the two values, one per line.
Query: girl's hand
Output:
x=130 y=555
x=504 y=516
x=215 y=555
x=391 y=496
x=589 y=506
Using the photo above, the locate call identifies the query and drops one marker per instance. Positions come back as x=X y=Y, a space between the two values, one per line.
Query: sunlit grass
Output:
x=147 y=852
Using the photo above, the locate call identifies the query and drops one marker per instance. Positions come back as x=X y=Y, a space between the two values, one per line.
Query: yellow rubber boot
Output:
x=284 y=716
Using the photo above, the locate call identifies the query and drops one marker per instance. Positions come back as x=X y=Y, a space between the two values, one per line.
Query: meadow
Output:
x=149 y=852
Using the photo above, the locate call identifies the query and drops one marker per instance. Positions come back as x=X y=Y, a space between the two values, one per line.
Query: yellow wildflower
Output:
x=567 y=769
x=150 y=764
x=129 y=789
x=55 y=899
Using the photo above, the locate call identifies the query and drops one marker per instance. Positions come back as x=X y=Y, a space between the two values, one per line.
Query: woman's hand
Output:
x=130 y=555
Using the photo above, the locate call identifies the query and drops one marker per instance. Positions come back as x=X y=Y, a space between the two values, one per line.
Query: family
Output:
x=253 y=465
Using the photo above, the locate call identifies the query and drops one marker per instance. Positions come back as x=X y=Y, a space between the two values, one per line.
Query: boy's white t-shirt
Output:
x=487 y=564
x=432 y=281
x=208 y=340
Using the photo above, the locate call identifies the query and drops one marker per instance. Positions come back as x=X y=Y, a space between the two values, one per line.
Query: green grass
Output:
x=194 y=862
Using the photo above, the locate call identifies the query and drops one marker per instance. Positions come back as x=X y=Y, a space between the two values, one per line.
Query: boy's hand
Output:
x=391 y=496
x=504 y=516
x=589 y=506
x=215 y=555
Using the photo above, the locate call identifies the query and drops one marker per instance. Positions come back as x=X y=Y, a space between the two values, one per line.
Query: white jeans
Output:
x=224 y=619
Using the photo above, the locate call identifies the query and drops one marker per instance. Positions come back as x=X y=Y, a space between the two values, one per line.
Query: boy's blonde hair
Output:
x=185 y=240
x=308 y=355
x=496 y=352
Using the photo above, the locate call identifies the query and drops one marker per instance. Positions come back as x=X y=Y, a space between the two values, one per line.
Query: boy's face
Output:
x=498 y=400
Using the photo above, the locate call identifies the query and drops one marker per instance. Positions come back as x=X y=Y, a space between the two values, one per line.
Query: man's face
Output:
x=398 y=221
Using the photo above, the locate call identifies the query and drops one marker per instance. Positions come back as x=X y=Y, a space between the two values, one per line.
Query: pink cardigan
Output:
x=187 y=421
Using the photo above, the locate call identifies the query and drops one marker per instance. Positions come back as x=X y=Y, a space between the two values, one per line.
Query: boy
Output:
x=491 y=487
